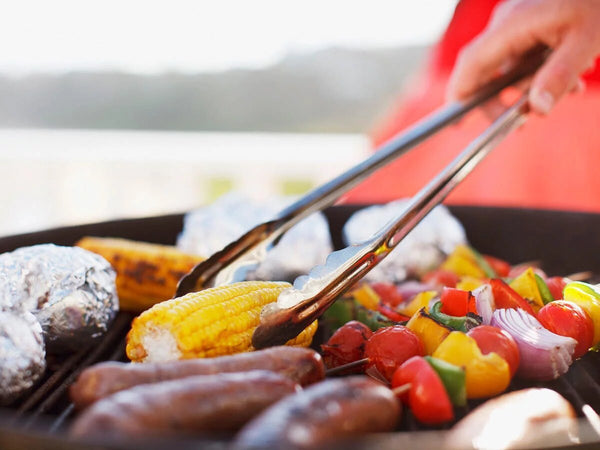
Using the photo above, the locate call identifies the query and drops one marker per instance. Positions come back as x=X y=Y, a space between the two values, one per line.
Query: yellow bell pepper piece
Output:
x=367 y=297
x=461 y=265
x=588 y=297
x=526 y=286
x=469 y=283
x=421 y=300
x=486 y=375
x=429 y=330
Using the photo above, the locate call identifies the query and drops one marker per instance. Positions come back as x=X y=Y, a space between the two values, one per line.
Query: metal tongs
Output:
x=312 y=294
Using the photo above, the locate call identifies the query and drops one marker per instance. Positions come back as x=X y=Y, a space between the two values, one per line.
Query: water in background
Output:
x=65 y=177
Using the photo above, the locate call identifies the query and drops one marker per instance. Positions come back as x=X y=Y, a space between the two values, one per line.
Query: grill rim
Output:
x=500 y=224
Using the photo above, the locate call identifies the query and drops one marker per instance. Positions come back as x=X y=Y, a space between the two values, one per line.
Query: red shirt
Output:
x=551 y=162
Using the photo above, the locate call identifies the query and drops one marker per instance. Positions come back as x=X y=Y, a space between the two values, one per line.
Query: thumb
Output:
x=560 y=73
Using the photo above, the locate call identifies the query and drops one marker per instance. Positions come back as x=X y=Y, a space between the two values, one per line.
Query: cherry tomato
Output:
x=441 y=277
x=556 y=286
x=388 y=293
x=571 y=320
x=493 y=339
x=506 y=297
x=346 y=345
x=501 y=267
x=427 y=397
x=391 y=346
x=455 y=302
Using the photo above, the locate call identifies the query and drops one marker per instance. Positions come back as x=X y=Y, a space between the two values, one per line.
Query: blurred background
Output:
x=112 y=109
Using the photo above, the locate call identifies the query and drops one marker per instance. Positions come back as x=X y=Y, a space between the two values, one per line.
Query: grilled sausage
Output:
x=302 y=365
x=335 y=408
x=202 y=403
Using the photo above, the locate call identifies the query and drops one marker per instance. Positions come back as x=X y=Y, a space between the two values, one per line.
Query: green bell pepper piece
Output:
x=454 y=379
x=463 y=324
x=346 y=309
x=543 y=288
x=484 y=265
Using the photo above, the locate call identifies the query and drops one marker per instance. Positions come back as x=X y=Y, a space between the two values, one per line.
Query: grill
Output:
x=566 y=242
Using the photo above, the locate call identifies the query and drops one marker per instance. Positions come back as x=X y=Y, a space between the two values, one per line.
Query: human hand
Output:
x=571 y=28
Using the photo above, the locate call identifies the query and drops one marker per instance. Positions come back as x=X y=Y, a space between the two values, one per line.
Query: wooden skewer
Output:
x=402 y=389
x=580 y=276
x=351 y=365
x=592 y=417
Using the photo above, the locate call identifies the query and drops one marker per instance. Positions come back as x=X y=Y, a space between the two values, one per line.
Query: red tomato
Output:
x=388 y=293
x=391 y=346
x=556 y=286
x=506 y=297
x=388 y=312
x=571 y=320
x=455 y=302
x=501 y=267
x=427 y=397
x=441 y=277
x=493 y=339
x=346 y=345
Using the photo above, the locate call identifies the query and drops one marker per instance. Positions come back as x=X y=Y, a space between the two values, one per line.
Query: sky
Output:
x=191 y=36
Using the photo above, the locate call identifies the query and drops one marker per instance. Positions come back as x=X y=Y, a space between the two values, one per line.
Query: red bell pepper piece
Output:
x=388 y=312
x=506 y=297
x=501 y=267
x=456 y=302
x=441 y=277
x=427 y=397
x=388 y=293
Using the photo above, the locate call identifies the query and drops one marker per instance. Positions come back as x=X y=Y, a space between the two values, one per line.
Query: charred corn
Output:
x=212 y=322
x=146 y=273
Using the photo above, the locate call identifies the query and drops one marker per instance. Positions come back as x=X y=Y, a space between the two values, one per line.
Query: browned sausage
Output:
x=302 y=365
x=202 y=403
x=335 y=408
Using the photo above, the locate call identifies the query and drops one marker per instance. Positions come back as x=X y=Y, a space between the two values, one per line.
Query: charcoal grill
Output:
x=565 y=242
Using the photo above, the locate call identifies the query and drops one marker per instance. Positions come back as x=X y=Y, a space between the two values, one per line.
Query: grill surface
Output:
x=517 y=235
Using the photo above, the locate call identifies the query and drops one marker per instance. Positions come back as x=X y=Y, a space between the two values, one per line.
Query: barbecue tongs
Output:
x=312 y=294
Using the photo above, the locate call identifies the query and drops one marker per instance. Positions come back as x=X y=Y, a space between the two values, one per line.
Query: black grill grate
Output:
x=50 y=398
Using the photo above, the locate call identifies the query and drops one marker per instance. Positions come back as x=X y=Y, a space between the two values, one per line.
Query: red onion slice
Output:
x=409 y=289
x=484 y=302
x=544 y=355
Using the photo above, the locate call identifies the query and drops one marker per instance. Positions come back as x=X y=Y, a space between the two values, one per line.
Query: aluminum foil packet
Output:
x=209 y=229
x=423 y=249
x=71 y=292
x=22 y=355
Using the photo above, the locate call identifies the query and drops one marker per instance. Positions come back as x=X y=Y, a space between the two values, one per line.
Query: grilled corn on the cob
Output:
x=146 y=273
x=212 y=322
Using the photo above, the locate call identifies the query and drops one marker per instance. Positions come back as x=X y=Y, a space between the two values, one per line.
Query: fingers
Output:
x=560 y=73
x=512 y=31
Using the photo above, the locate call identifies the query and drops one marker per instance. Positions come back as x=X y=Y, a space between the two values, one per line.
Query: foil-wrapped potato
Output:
x=22 y=355
x=421 y=250
x=209 y=229
x=71 y=292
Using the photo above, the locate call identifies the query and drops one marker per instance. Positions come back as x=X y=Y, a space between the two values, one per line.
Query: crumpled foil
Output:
x=22 y=356
x=424 y=248
x=209 y=229
x=71 y=291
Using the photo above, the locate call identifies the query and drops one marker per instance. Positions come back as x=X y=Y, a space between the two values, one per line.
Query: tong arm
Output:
x=312 y=294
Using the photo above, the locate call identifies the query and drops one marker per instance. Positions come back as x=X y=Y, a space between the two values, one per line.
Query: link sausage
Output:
x=335 y=408
x=302 y=365
x=202 y=403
